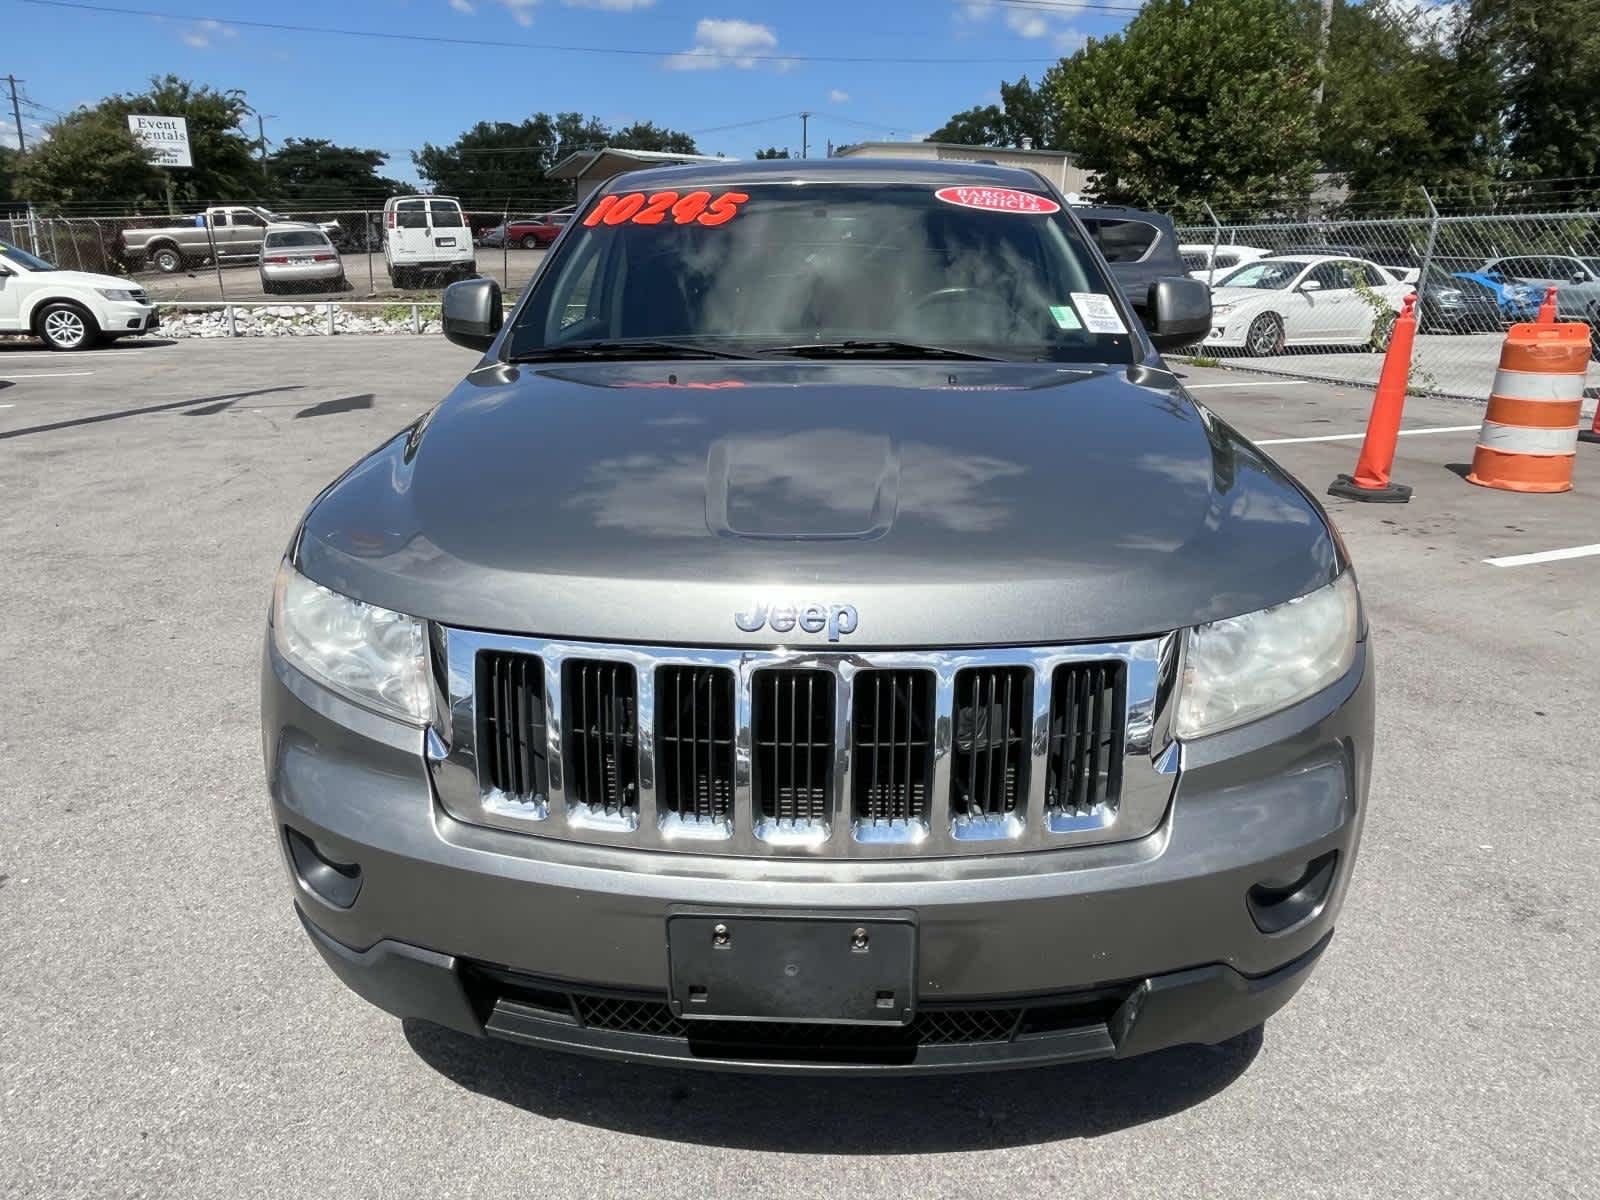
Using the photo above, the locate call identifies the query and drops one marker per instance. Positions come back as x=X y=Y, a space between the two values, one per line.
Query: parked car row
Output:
x=531 y=233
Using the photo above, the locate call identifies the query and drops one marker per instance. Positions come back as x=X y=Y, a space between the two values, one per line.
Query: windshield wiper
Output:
x=867 y=348
x=642 y=349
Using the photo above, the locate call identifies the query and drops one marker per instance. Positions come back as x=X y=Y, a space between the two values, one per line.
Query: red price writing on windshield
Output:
x=666 y=208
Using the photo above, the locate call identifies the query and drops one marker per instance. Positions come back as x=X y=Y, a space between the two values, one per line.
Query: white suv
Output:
x=69 y=310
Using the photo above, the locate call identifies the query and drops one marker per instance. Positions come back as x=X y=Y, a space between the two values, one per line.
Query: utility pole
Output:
x=16 y=112
x=1323 y=31
x=805 y=135
x=261 y=137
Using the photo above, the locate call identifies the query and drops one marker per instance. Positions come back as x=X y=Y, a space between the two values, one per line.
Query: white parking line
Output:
x=1195 y=387
x=1354 y=437
x=51 y=375
x=1544 y=556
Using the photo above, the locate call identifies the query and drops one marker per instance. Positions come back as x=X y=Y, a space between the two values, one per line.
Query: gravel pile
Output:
x=294 y=320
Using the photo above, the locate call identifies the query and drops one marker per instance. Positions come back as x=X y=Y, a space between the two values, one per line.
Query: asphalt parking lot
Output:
x=512 y=268
x=167 y=1029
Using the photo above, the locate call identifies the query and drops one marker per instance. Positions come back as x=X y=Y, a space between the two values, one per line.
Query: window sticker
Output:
x=666 y=208
x=1098 y=313
x=996 y=199
x=1065 y=317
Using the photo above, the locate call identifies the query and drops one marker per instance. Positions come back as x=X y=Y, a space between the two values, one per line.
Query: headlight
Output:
x=118 y=293
x=1246 y=667
x=1221 y=310
x=373 y=656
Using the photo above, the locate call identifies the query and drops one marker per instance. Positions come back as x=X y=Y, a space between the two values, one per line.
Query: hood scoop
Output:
x=814 y=485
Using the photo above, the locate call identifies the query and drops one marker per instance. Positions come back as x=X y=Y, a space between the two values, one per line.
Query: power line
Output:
x=504 y=44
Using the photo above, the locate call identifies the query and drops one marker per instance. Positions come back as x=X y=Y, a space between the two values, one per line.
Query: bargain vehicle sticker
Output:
x=666 y=208
x=993 y=199
x=1098 y=313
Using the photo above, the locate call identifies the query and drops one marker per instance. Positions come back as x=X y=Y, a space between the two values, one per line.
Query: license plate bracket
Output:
x=807 y=967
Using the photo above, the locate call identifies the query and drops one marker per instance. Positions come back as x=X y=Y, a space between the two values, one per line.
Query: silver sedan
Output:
x=299 y=256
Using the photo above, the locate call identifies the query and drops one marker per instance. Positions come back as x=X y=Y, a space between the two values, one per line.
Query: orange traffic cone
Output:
x=1371 y=480
x=1547 y=310
x=1529 y=437
x=1592 y=434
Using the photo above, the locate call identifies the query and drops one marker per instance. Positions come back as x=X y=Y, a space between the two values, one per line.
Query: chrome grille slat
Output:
x=1084 y=768
x=828 y=807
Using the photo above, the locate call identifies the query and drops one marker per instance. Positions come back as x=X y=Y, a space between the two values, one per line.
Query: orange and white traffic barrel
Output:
x=1530 y=433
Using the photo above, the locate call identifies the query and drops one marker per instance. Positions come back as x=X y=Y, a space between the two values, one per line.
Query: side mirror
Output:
x=1580 y=278
x=472 y=313
x=1311 y=285
x=1179 y=312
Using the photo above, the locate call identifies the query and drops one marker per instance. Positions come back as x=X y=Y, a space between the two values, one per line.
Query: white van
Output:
x=425 y=235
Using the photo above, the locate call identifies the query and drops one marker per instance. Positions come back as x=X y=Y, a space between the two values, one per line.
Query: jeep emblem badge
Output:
x=837 y=619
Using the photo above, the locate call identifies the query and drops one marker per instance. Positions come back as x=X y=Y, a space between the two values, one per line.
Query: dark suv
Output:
x=820 y=634
x=1140 y=247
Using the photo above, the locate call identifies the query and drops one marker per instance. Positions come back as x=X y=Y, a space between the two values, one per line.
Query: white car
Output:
x=1301 y=300
x=1197 y=256
x=68 y=310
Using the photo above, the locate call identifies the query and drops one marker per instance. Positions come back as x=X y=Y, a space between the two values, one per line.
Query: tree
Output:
x=1406 y=102
x=91 y=158
x=645 y=135
x=8 y=174
x=1022 y=116
x=1195 y=99
x=316 y=171
x=499 y=161
x=1547 y=57
x=773 y=152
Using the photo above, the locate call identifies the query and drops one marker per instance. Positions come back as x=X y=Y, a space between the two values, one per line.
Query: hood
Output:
x=1238 y=295
x=87 y=279
x=950 y=504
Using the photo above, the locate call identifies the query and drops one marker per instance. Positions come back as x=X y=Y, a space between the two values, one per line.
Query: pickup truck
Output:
x=234 y=229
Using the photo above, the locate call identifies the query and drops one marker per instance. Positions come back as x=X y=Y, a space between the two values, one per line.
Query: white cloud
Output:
x=838 y=95
x=521 y=10
x=1038 y=23
x=610 y=5
x=462 y=6
x=725 y=43
x=202 y=33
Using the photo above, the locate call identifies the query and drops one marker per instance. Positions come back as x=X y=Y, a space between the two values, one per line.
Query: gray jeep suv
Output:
x=820 y=635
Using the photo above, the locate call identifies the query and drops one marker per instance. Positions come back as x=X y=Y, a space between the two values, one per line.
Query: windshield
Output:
x=769 y=268
x=23 y=259
x=298 y=237
x=1267 y=274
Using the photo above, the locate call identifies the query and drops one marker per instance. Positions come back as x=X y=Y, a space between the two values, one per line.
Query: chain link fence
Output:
x=182 y=259
x=1474 y=275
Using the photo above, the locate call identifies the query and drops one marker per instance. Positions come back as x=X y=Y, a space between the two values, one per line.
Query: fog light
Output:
x=1293 y=894
x=336 y=882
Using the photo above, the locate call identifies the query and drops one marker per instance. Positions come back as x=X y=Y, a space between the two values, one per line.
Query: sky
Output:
x=716 y=70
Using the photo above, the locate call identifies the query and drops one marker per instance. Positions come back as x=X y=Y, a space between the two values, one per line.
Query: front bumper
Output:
x=308 y=273
x=128 y=316
x=1126 y=947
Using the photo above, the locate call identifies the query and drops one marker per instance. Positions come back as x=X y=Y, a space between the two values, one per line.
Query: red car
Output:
x=532 y=232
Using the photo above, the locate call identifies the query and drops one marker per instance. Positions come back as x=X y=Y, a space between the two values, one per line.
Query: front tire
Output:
x=167 y=260
x=530 y=242
x=1265 y=336
x=65 y=326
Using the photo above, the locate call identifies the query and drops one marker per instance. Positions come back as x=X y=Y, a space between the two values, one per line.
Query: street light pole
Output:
x=805 y=135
